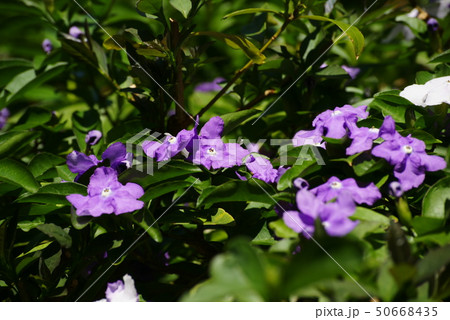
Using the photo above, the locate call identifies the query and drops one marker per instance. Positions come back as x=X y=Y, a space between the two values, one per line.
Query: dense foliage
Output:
x=224 y=150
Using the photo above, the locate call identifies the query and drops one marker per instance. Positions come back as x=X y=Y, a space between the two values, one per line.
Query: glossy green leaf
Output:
x=221 y=218
x=17 y=173
x=282 y=230
x=249 y=11
x=237 y=190
x=82 y=123
x=149 y=6
x=32 y=118
x=292 y=173
x=235 y=119
x=164 y=188
x=56 y=232
x=436 y=204
x=55 y=193
x=352 y=32
x=183 y=6
x=432 y=263
x=12 y=141
x=43 y=162
x=443 y=57
x=236 y=42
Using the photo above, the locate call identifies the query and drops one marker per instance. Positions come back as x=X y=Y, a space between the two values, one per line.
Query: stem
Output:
x=241 y=71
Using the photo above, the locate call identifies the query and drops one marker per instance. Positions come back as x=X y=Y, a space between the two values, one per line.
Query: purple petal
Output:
x=212 y=129
x=305 y=226
x=93 y=137
x=308 y=203
x=79 y=162
x=75 y=32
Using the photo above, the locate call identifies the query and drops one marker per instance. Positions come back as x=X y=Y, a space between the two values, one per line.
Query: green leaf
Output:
x=362 y=166
x=435 y=204
x=389 y=109
x=249 y=11
x=236 y=42
x=234 y=119
x=27 y=225
x=15 y=172
x=238 y=190
x=417 y=25
x=332 y=71
x=183 y=6
x=264 y=237
x=423 y=76
x=173 y=169
x=444 y=57
x=149 y=6
x=35 y=82
x=82 y=123
x=164 y=188
x=39 y=247
x=12 y=141
x=221 y=218
x=424 y=225
x=32 y=118
x=282 y=230
x=43 y=162
x=54 y=193
x=56 y=232
x=352 y=32
x=432 y=263
x=295 y=171
x=366 y=214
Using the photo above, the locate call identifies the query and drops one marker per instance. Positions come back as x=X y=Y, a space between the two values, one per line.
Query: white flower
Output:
x=121 y=291
x=432 y=93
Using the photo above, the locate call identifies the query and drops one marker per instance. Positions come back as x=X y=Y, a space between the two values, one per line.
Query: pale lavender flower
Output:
x=121 y=291
x=334 y=187
x=75 y=32
x=309 y=137
x=433 y=24
x=334 y=124
x=262 y=169
x=93 y=137
x=395 y=189
x=106 y=195
x=210 y=86
x=4 y=115
x=362 y=139
x=352 y=71
x=47 y=46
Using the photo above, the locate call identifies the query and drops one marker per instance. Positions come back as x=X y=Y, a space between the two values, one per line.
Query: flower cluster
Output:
x=208 y=149
x=337 y=124
x=332 y=203
x=106 y=194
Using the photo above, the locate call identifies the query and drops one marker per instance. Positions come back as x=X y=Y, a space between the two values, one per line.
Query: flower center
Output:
x=407 y=149
x=336 y=113
x=211 y=151
x=336 y=185
x=374 y=130
x=172 y=140
x=106 y=192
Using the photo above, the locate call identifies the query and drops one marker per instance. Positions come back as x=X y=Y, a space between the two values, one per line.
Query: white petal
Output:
x=415 y=93
x=127 y=294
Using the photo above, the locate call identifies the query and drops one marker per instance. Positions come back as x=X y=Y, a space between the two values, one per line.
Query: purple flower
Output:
x=410 y=160
x=93 y=137
x=75 y=32
x=107 y=195
x=47 y=46
x=395 y=189
x=334 y=216
x=433 y=24
x=4 y=115
x=334 y=124
x=171 y=145
x=214 y=153
x=210 y=86
x=116 y=154
x=261 y=168
x=311 y=137
x=121 y=291
x=362 y=139
x=334 y=187
x=352 y=71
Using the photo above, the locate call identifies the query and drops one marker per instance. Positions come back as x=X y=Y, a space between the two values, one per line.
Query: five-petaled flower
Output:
x=107 y=195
